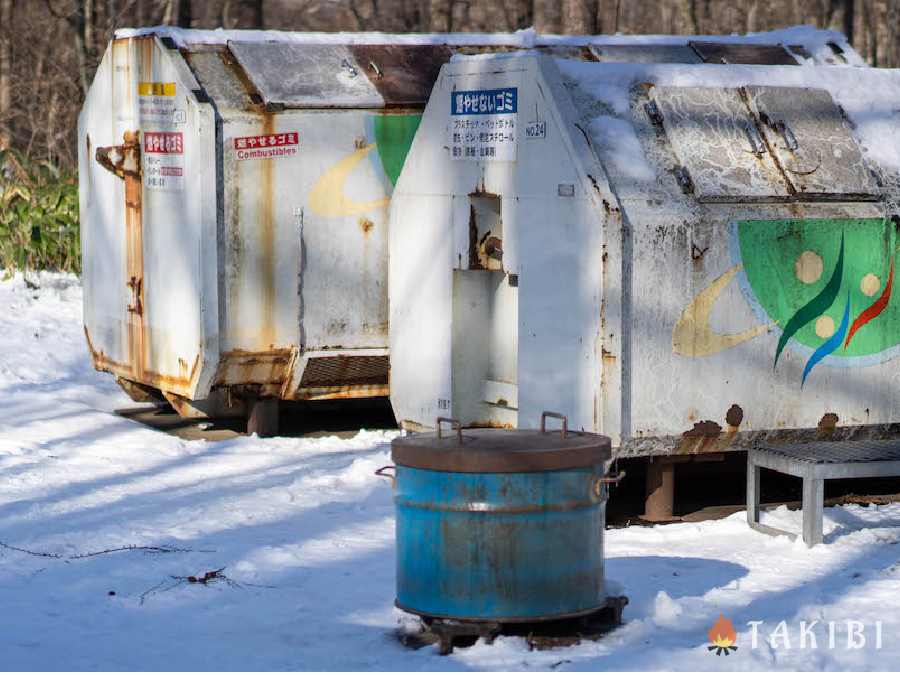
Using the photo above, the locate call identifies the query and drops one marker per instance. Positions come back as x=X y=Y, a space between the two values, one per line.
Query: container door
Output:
x=806 y=132
x=716 y=142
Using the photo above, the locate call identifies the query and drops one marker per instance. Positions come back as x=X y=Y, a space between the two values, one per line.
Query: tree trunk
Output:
x=547 y=17
x=184 y=13
x=6 y=8
x=78 y=22
x=849 y=19
x=893 y=33
x=250 y=14
x=579 y=17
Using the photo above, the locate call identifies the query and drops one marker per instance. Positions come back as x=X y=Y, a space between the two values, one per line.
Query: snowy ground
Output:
x=304 y=530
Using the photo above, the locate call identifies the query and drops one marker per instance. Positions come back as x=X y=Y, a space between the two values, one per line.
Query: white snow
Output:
x=305 y=532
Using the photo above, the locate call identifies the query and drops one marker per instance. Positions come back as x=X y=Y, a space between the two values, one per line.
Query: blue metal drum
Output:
x=500 y=525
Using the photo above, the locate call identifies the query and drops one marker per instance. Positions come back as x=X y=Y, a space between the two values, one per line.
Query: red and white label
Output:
x=164 y=142
x=267 y=146
x=163 y=160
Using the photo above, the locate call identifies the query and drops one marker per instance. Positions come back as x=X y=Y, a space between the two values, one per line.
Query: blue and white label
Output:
x=485 y=102
x=483 y=124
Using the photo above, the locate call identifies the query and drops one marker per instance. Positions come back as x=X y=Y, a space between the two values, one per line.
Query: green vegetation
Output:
x=38 y=215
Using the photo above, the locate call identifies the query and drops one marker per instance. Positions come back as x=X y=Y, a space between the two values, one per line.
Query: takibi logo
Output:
x=723 y=636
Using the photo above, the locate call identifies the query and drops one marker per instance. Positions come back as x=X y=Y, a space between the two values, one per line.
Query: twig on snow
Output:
x=91 y=554
x=208 y=578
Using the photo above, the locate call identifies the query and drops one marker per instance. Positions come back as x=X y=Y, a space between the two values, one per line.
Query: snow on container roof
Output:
x=837 y=104
x=808 y=42
x=375 y=70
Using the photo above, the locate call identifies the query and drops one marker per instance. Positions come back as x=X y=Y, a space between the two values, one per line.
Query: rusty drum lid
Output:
x=500 y=450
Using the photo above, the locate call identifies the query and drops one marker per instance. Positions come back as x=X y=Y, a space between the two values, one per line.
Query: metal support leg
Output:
x=813 y=507
x=660 y=501
x=263 y=417
x=752 y=492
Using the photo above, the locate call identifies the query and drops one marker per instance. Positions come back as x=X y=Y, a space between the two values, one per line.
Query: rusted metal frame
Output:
x=731 y=441
x=297 y=366
x=351 y=391
x=178 y=385
x=446 y=630
x=403 y=75
x=244 y=367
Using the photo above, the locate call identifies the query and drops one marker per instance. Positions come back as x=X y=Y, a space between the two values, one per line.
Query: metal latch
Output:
x=122 y=160
x=136 y=306
x=790 y=140
x=756 y=143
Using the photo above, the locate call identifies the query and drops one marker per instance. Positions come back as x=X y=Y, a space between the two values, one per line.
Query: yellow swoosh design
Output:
x=693 y=336
x=327 y=197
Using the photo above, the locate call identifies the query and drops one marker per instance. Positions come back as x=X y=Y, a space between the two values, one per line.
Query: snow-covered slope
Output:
x=304 y=532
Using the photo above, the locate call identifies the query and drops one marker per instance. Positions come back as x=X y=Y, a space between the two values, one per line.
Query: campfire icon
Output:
x=722 y=636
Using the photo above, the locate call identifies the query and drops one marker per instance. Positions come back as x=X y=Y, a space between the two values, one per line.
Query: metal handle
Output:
x=454 y=424
x=600 y=481
x=382 y=470
x=613 y=479
x=565 y=422
x=383 y=473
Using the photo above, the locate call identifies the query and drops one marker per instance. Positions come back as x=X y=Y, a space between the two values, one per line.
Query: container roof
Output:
x=805 y=42
x=843 y=115
x=277 y=69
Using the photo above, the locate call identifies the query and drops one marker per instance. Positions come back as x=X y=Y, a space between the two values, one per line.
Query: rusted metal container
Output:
x=234 y=190
x=500 y=525
x=234 y=201
x=688 y=258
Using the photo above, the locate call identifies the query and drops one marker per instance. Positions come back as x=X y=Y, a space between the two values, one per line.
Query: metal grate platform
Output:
x=837 y=452
x=815 y=463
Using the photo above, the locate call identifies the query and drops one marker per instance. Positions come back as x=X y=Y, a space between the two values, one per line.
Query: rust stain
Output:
x=488 y=424
x=267 y=242
x=140 y=393
x=403 y=74
x=734 y=416
x=124 y=161
x=180 y=385
x=828 y=422
x=253 y=101
x=366 y=225
x=240 y=367
x=341 y=392
x=706 y=428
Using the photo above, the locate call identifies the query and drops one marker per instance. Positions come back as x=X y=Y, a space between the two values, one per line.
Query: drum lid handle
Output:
x=565 y=422
x=454 y=424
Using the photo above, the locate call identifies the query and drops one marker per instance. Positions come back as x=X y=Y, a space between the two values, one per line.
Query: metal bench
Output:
x=815 y=463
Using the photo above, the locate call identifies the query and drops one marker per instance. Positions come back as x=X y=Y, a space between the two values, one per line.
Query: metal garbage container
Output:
x=501 y=525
